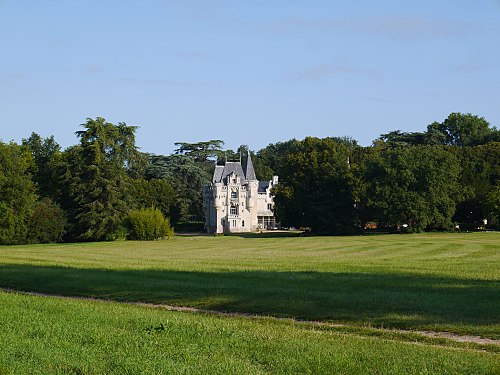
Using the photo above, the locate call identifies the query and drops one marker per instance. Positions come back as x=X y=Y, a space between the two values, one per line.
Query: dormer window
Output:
x=234 y=180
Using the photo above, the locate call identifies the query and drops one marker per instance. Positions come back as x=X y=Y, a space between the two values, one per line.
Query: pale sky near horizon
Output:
x=247 y=72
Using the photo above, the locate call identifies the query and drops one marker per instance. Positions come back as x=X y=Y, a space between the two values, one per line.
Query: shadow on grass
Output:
x=267 y=234
x=390 y=300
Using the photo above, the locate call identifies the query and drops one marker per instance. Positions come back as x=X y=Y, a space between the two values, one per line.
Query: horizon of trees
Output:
x=448 y=174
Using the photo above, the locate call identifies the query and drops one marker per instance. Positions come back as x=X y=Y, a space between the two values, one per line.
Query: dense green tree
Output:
x=414 y=186
x=228 y=155
x=241 y=154
x=316 y=187
x=263 y=171
x=456 y=130
x=271 y=159
x=398 y=138
x=71 y=174
x=47 y=165
x=493 y=136
x=480 y=175
x=99 y=178
x=187 y=177
x=349 y=142
x=492 y=207
x=462 y=129
x=201 y=151
x=364 y=213
x=17 y=193
x=157 y=193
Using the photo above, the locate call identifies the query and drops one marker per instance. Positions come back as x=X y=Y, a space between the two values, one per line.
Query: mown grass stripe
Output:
x=51 y=335
x=483 y=343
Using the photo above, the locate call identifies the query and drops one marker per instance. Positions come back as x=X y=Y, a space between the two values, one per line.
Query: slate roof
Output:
x=218 y=173
x=263 y=185
x=221 y=172
x=249 y=172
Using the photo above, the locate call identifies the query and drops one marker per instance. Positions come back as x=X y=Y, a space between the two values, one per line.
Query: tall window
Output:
x=233 y=210
x=234 y=194
x=269 y=206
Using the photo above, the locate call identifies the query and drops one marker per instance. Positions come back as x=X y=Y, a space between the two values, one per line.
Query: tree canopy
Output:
x=98 y=178
x=462 y=129
x=201 y=151
x=17 y=193
x=316 y=187
x=415 y=187
x=446 y=175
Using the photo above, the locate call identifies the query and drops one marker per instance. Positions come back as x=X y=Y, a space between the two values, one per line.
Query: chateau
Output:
x=236 y=201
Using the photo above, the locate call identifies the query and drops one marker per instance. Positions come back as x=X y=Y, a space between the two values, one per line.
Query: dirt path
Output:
x=432 y=334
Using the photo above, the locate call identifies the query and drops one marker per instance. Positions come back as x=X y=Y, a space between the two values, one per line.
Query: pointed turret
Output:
x=249 y=172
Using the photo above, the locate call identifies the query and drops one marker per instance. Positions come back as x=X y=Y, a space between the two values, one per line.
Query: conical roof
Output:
x=249 y=171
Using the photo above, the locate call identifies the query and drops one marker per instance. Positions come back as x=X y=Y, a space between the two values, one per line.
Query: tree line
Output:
x=446 y=176
x=104 y=188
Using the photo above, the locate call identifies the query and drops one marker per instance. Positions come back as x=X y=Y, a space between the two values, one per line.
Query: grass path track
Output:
x=432 y=334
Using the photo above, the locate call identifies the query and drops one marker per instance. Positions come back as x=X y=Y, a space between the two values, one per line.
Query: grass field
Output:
x=441 y=282
x=47 y=335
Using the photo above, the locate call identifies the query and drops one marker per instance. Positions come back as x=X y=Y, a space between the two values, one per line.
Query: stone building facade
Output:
x=235 y=201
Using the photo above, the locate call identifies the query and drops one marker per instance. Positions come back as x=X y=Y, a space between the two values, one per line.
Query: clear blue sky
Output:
x=248 y=72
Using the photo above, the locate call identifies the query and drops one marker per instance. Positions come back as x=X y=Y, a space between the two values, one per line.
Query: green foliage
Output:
x=98 y=179
x=462 y=129
x=17 y=193
x=190 y=227
x=456 y=130
x=478 y=153
x=480 y=176
x=492 y=207
x=157 y=193
x=188 y=178
x=414 y=186
x=201 y=151
x=316 y=187
x=47 y=222
x=148 y=224
x=270 y=160
x=396 y=181
x=398 y=138
x=46 y=171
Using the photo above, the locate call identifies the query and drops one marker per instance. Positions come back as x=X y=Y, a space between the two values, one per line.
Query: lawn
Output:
x=443 y=282
x=40 y=335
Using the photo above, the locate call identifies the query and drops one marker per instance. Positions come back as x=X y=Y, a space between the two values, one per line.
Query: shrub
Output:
x=148 y=224
x=47 y=222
